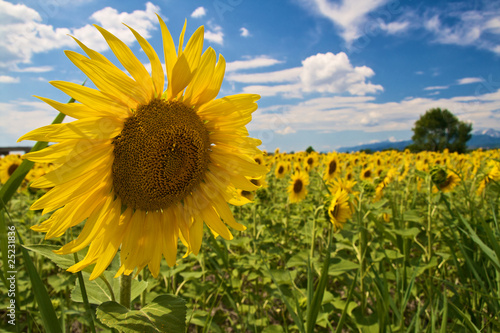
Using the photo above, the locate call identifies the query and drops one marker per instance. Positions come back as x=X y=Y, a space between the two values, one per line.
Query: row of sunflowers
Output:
x=342 y=171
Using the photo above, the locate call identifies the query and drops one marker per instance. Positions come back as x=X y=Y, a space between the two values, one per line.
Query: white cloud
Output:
x=468 y=80
x=323 y=73
x=250 y=63
x=20 y=117
x=199 y=12
x=244 y=32
x=349 y=16
x=286 y=130
x=38 y=69
x=215 y=34
x=479 y=28
x=362 y=113
x=8 y=79
x=285 y=75
x=24 y=34
x=436 y=88
x=143 y=21
x=396 y=27
x=333 y=73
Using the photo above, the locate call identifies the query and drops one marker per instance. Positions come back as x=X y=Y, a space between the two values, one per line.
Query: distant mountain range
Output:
x=486 y=139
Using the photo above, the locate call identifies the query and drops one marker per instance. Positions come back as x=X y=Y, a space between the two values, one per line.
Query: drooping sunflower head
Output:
x=339 y=209
x=146 y=166
x=297 y=188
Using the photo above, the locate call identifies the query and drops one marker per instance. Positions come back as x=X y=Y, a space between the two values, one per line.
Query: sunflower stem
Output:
x=85 y=299
x=125 y=290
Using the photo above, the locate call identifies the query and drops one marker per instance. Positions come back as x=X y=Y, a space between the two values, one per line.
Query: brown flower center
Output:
x=161 y=154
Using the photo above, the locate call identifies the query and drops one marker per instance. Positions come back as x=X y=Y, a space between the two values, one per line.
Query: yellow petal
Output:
x=92 y=98
x=243 y=104
x=181 y=38
x=77 y=110
x=98 y=158
x=169 y=51
x=202 y=77
x=93 y=54
x=170 y=237
x=156 y=243
x=76 y=211
x=237 y=164
x=194 y=48
x=110 y=80
x=156 y=68
x=102 y=215
x=52 y=152
x=181 y=76
x=213 y=88
x=129 y=61
x=88 y=128
x=221 y=207
x=111 y=242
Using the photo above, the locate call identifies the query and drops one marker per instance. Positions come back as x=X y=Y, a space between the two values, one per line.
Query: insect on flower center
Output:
x=161 y=154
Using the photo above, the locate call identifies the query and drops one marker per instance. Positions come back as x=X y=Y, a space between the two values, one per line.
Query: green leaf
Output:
x=485 y=248
x=50 y=321
x=64 y=261
x=3 y=247
x=341 y=267
x=105 y=288
x=166 y=313
x=407 y=233
x=273 y=329
x=313 y=310
x=466 y=319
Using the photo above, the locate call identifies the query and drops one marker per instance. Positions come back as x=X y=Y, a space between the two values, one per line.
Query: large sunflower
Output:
x=142 y=165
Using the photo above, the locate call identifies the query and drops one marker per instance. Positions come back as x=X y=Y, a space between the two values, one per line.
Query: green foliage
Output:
x=309 y=149
x=165 y=314
x=433 y=265
x=438 y=130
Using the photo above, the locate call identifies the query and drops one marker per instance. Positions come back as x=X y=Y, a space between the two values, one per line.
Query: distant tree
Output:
x=310 y=149
x=439 y=129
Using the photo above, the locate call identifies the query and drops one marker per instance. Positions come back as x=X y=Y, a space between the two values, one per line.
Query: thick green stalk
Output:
x=125 y=290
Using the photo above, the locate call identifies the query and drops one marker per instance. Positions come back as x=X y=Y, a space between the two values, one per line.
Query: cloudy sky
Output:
x=331 y=73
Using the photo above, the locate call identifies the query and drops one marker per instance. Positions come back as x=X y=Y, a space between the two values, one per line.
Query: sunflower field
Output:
x=337 y=242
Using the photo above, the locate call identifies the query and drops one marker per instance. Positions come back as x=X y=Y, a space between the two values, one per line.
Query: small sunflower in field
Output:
x=332 y=167
x=143 y=166
x=341 y=183
x=297 y=189
x=445 y=180
x=248 y=195
x=8 y=165
x=339 y=209
x=259 y=181
x=280 y=170
x=367 y=173
x=311 y=160
x=493 y=175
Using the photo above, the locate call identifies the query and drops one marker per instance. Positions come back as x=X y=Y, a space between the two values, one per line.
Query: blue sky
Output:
x=331 y=73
